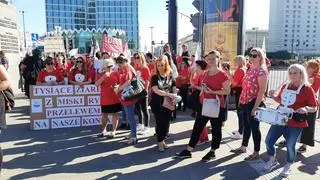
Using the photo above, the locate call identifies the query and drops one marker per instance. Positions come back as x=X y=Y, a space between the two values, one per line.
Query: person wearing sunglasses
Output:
x=303 y=103
x=143 y=72
x=252 y=96
x=110 y=102
x=79 y=75
x=49 y=75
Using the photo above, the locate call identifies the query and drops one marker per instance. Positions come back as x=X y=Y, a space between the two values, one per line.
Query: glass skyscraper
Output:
x=94 y=14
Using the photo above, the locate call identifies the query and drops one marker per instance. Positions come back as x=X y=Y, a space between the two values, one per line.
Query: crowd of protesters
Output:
x=204 y=85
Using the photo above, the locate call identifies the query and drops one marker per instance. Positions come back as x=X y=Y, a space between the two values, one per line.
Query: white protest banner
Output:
x=64 y=106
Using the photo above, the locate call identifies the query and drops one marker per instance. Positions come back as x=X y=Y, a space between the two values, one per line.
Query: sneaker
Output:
x=140 y=127
x=144 y=132
x=302 y=149
x=281 y=144
x=270 y=165
x=285 y=171
x=184 y=154
x=209 y=156
x=236 y=135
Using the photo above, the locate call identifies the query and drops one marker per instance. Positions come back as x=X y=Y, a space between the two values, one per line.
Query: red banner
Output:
x=111 y=45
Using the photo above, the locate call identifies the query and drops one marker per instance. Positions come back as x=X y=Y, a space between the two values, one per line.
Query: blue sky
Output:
x=151 y=13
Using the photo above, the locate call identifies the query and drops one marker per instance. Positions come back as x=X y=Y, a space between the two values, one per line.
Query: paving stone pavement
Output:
x=77 y=154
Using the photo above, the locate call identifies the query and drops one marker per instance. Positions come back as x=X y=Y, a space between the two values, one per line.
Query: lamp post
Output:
x=24 y=30
x=151 y=29
x=256 y=29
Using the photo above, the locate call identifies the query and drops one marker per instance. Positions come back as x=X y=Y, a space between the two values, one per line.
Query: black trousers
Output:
x=251 y=126
x=142 y=111
x=183 y=92
x=307 y=135
x=163 y=117
x=26 y=86
x=216 y=125
x=237 y=92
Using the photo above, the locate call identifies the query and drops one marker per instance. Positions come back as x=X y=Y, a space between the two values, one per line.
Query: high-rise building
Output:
x=294 y=26
x=94 y=14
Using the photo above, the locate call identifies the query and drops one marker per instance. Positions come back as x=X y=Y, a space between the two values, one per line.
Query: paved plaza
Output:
x=76 y=153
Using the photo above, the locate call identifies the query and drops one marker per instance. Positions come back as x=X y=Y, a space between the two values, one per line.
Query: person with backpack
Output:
x=4 y=84
x=31 y=67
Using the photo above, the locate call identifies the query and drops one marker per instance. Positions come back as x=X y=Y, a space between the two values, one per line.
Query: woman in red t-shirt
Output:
x=126 y=74
x=183 y=83
x=79 y=74
x=252 y=96
x=61 y=65
x=240 y=71
x=141 y=106
x=110 y=102
x=194 y=100
x=49 y=76
x=215 y=84
x=307 y=135
x=305 y=103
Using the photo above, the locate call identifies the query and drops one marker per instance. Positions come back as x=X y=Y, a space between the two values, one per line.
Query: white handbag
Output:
x=211 y=107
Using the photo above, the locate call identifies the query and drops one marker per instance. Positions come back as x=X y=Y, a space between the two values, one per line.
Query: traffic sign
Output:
x=34 y=36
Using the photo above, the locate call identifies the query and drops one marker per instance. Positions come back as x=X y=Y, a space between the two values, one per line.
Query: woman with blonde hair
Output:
x=163 y=88
x=110 y=102
x=302 y=101
x=143 y=72
x=236 y=88
x=307 y=135
x=252 y=96
x=215 y=84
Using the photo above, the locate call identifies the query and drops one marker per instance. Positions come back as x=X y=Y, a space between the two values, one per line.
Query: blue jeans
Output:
x=130 y=115
x=290 y=134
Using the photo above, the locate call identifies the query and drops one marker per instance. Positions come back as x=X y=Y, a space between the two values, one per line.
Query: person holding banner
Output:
x=215 y=84
x=79 y=74
x=126 y=74
x=49 y=75
x=110 y=103
x=143 y=71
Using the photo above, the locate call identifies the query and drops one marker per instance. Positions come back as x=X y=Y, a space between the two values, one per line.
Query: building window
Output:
x=285 y=45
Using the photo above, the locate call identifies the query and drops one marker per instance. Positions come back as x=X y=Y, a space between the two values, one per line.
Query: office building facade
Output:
x=95 y=14
x=294 y=26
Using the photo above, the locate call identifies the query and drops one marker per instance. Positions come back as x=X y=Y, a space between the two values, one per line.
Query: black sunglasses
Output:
x=137 y=57
x=80 y=62
x=253 y=55
x=49 y=64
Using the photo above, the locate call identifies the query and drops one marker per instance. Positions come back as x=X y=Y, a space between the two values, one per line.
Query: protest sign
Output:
x=64 y=106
